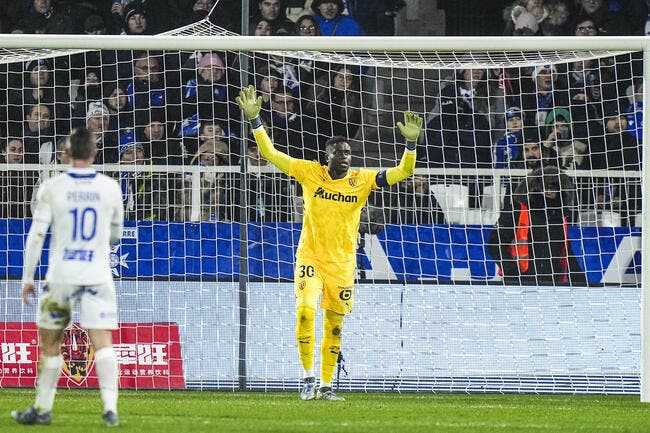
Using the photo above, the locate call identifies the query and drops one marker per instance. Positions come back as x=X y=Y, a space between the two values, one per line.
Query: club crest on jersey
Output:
x=301 y=285
x=78 y=354
x=352 y=181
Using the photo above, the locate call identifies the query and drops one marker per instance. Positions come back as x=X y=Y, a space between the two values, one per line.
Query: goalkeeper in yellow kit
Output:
x=325 y=260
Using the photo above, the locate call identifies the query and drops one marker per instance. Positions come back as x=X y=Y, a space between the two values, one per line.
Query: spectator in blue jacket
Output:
x=147 y=89
x=332 y=22
x=509 y=147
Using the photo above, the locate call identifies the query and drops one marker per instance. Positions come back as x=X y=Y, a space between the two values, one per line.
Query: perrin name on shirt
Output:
x=83 y=196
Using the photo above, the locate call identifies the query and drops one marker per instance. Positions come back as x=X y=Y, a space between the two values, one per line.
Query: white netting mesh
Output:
x=201 y=226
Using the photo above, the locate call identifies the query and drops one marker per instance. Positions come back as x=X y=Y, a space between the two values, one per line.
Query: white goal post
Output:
x=409 y=54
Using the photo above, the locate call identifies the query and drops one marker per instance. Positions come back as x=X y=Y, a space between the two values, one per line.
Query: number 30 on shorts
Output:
x=305 y=271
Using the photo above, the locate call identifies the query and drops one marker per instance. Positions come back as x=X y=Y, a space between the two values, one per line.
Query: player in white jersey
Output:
x=84 y=211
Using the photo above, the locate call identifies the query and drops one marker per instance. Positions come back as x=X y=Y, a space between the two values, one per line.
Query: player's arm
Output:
x=251 y=106
x=34 y=244
x=410 y=129
x=117 y=223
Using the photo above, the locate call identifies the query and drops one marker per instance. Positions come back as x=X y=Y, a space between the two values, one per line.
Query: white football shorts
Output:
x=97 y=303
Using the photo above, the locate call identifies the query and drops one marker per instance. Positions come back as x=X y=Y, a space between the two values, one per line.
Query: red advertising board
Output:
x=148 y=356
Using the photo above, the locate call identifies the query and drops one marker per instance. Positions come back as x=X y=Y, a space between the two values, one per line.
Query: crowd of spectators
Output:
x=177 y=108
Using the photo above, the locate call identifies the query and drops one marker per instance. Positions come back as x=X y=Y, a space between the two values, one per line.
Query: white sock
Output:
x=308 y=373
x=49 y=371
x=107 y=373
x=325 y=384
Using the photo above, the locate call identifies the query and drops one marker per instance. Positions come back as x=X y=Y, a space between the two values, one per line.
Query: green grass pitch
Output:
x=78 y=411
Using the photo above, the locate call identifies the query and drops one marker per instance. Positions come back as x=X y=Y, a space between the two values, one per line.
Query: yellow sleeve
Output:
x=280 y=159
x=403 y=170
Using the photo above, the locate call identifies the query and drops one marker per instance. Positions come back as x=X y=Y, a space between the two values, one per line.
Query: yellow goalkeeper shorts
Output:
x=334 y=280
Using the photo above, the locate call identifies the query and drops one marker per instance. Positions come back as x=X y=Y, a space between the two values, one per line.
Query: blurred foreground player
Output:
x=84 y=210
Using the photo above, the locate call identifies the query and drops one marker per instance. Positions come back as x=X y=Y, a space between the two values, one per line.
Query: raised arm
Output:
x=251 y=106
x=410 y=129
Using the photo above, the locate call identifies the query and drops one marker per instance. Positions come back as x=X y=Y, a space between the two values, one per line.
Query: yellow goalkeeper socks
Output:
x=305 y=335
x=331 y=344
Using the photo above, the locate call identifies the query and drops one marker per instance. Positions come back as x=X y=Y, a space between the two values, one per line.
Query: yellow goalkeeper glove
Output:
x=411 y=127
x=249 y=104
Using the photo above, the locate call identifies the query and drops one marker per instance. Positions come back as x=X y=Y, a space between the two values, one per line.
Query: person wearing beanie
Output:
x=337 y=105
x=608 y=145
x=97 y=117
x=332 y=22
x=529 y=242
x=97 y=122
x=161 y=16
x=145 y=194
x=572 y=153
x=135 y=20
x=132 y=152
x=509 y=146
x=545 y=90
x=212 y=92
x=211 y=67
x=200 y=9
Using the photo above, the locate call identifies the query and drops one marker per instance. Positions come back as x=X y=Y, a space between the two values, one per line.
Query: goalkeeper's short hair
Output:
x=334 y=141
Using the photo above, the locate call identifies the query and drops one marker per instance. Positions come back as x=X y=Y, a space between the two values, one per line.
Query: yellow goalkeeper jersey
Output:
x=332 y=210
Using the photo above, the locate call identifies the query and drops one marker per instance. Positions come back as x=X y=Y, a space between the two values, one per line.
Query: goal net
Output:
x=446 y=300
